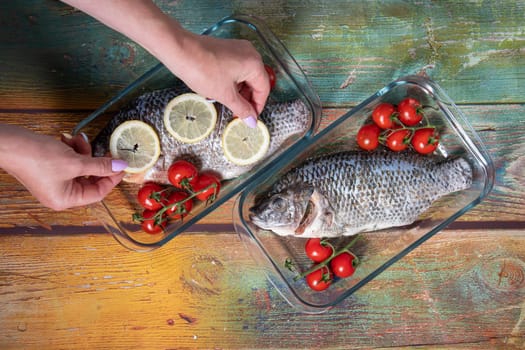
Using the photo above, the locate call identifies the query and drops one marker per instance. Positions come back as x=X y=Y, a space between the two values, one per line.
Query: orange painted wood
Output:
x=67 y=284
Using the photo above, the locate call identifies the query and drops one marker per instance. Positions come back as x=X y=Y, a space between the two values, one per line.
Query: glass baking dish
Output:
x=116 y=210
x=376 y=250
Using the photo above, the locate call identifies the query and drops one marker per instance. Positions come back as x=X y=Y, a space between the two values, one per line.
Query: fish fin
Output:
x=307 y=219
x=459 y=173
x=319 y=217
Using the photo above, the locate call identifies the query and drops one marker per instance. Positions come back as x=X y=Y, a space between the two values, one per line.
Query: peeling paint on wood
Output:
x=65 y=283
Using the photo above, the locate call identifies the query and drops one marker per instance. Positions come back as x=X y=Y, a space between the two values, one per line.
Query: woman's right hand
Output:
x=227 y=70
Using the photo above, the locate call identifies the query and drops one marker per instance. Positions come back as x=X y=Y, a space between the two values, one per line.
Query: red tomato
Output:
x=320 y=279
x=150 y=196
x=398 y=140
x=409 y=111
x=271 y=76
x=316 y=251
x=150 y=224
x=176 y=209
x=383 y=114
x=207 y=186
x=368 y=137
x=343 y=265
x=182 y=174
x=425 y=140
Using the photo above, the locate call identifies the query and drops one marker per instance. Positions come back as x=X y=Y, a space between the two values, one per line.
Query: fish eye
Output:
x=278 y=204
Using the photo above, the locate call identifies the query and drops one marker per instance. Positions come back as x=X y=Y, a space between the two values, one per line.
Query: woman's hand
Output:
x=227 y=70
x=59 y=173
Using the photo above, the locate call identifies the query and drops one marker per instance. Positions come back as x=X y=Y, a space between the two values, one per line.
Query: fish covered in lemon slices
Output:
x=350 y=192
x=283 y=121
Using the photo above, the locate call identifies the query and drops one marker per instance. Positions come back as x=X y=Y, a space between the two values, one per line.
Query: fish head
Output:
x=297 y=211
x=282 y=212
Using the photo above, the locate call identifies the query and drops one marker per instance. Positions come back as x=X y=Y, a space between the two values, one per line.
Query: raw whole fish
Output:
x=283 y=119
x=350 y=192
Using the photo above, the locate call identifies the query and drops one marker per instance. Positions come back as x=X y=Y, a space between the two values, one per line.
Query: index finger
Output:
x=87 y=192
x=258 y=87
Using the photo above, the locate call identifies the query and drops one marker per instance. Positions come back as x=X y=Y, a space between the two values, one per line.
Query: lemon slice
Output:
x=243 y=145
x=137 y=143
x=190 y=117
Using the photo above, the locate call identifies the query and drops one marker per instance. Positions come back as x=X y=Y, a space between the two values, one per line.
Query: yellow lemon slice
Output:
x=190 y=117
x=243 y=145
x=137 y=143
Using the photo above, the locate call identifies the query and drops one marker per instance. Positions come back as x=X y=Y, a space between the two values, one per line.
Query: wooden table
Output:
x=66 y=284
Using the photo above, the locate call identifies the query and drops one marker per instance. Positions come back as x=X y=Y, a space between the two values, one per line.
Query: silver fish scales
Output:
x=350 y=192
x=283 y=119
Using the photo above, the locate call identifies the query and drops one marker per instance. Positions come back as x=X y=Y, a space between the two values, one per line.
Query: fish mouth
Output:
x=256 y=220
x=307 y=218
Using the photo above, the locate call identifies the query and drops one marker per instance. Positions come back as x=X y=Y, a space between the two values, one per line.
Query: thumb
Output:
x=242 y=108
x=103 y=166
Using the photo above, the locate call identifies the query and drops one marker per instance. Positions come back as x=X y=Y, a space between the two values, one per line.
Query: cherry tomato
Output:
x=210 y=186
x=398 y=140
x=271 y=76
x=368 y=137
x=425 y=140
x=177 y=210
x=343 y=265
x=383 y=114
x=316 y=251
x=150 y=224
x=182 y=174
x=409 y=111
x=320 y=279
x=150 y=196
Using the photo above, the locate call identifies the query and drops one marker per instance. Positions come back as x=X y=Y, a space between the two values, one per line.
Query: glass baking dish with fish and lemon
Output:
x=460 y=166
x=292 y=97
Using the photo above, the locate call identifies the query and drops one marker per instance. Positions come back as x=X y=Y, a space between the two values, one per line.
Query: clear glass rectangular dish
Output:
x=376 y=250
x=116 y=210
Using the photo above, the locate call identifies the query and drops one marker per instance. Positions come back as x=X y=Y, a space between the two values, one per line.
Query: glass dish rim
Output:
x=474 y=144
x=309 y=96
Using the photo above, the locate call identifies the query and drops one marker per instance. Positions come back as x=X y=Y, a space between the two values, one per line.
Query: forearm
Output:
x=216 y=68
x=16 y=147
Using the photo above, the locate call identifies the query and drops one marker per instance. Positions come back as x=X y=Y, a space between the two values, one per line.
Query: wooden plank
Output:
x=67 y=284
x=55 y=57
x=497 y=125
x=461 y=289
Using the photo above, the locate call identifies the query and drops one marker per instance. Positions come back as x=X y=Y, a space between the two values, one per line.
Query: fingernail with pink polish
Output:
x=117 y=165
x=84 y=136
x=251 y=122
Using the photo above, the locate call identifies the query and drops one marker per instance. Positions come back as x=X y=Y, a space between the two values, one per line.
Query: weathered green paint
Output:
x=477 y=49
x=463 y=288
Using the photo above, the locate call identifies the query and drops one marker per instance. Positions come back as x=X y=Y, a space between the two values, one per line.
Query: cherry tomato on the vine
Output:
x=409 y=111
x=182 y=174
x=368 y=137
x=383 y=115
x=343 y=265
x=271 y=76
x=150 y=224
x=150 y=196
x=425 y=140
x=320 y=279
x=398 y=140
x=316 y=250
x=210 y=186
x=175 y=208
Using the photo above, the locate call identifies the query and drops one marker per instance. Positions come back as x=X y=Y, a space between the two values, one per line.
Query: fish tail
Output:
x=459 y=174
